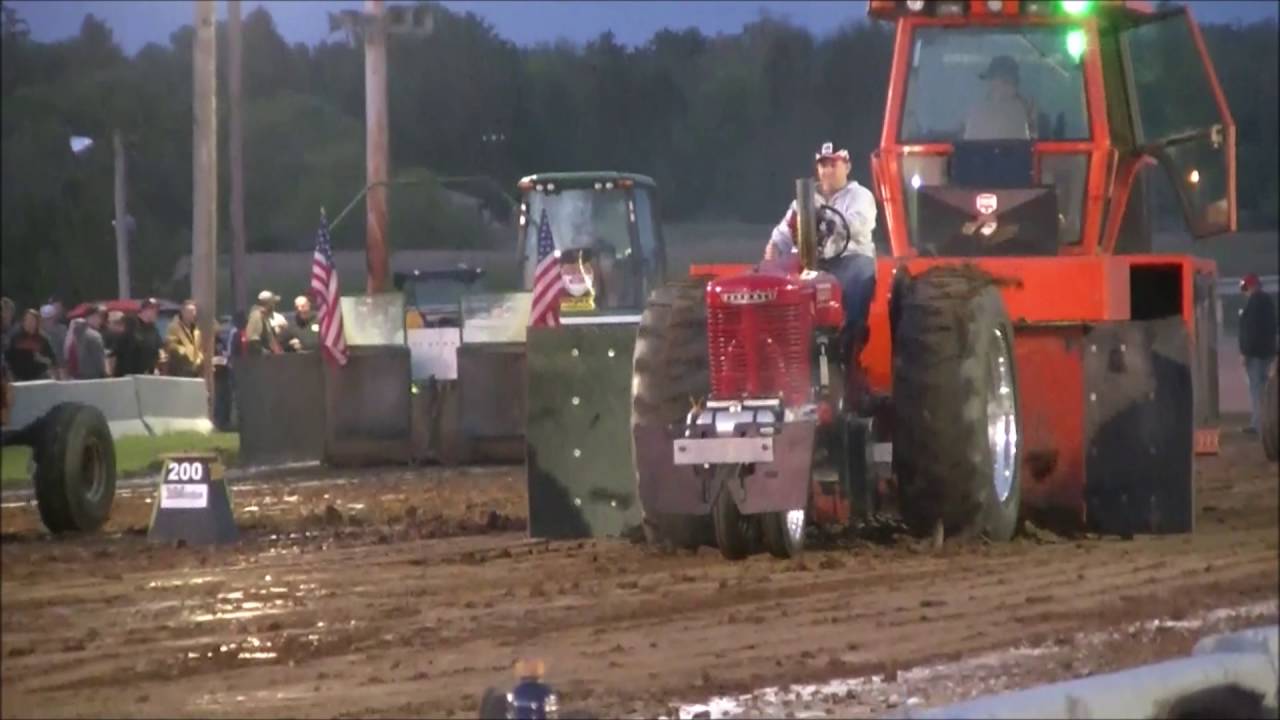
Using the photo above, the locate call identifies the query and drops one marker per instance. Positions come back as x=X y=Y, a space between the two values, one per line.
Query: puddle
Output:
x=174 y=584
x=254 y=602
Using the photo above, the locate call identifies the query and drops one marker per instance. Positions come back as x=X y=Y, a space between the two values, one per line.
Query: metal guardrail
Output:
x=1248 y=659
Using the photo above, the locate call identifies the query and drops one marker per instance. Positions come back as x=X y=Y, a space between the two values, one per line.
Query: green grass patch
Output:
x=135 y=455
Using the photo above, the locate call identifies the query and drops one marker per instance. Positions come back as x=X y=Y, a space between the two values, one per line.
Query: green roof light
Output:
x=1076 y=44
x=1076 y=7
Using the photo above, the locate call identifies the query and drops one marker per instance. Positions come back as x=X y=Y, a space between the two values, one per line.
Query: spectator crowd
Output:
x=42 y=344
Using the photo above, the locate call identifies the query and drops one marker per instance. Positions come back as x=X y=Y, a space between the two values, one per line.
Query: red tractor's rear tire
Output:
x=1271 y=415
x=669 y=373
x=956 y=421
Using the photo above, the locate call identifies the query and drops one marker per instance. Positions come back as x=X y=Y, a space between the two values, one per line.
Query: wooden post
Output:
x=204 y=221
x=235 y=73
x=376 y=150
x=122 y=219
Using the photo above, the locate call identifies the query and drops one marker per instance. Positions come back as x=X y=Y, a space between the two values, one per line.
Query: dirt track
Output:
x=353 y=604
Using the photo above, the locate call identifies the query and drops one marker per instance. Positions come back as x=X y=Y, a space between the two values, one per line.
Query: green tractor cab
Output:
x=606 y=233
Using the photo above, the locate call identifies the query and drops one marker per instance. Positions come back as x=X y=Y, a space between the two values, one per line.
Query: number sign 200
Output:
x=185 y=472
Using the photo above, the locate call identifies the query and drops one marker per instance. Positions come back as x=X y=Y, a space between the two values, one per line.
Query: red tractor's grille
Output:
x=760 y=350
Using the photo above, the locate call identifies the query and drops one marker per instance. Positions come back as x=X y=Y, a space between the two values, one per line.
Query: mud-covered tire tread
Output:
x=670 y=370
x=63 y=434
x=940 y=378
x=733 y=538
x=1271 y=415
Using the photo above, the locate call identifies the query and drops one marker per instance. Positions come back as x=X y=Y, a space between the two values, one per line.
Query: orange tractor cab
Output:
x=1027 y=354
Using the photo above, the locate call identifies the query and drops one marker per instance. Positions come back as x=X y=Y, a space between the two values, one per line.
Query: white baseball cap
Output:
x=828 y=151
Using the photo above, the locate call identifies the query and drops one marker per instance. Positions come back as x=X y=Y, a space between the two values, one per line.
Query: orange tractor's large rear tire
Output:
x=1271 y=415
x=956 y=422
x=669 y=373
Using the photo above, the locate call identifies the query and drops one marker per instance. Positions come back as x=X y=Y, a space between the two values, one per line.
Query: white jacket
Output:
x=858 y=206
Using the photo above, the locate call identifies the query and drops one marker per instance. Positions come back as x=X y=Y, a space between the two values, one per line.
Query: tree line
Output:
x=723 y=124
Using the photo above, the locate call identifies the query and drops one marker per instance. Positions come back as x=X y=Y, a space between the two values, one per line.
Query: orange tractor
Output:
x=1027 y=354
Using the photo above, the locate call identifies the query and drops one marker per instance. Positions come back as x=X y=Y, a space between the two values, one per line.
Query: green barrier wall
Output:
x=578 y=431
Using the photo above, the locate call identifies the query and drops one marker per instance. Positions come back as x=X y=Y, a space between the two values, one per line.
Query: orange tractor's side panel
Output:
x=1051 y=394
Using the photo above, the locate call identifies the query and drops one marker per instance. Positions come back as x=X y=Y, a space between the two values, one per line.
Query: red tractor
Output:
x=1028 y=355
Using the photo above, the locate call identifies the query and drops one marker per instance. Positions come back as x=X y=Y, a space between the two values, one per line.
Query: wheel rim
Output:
x=1002 y=419
x=793 y=527
x=93 y=472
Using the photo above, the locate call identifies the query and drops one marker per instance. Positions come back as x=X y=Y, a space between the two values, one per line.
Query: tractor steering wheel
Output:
x=831 y=224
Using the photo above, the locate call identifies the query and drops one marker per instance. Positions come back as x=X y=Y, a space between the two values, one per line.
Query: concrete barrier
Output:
x=367 y=416
x=135 y=405
x=171 y=404
x=117 y=398
x=282 y=410
x=1247 y=659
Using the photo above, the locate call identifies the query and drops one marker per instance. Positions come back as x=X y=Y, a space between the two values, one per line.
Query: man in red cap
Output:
x=855 y=267
x=1258 y=331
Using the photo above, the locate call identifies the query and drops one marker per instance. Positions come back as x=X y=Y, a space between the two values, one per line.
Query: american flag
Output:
x=324 y=286
x=547 y=284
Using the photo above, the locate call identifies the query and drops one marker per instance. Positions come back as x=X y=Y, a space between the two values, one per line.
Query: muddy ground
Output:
x=408 y=592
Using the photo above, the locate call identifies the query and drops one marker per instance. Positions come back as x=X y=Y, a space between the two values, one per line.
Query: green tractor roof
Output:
x=585 y=178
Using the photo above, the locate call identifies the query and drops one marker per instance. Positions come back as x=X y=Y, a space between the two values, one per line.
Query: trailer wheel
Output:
x=957 y=427
x=669 y=371
x=75 y=474
x=1271 y=415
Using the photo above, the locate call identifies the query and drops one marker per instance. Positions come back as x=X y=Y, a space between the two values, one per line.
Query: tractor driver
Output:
x=855 y=268
x=1002 y=114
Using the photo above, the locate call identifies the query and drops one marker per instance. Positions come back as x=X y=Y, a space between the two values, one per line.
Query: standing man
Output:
x=259 y=334
x=87 y=353
x=30 y=354
x=7 y=310
x=182 y=344
x=52 y=327
x=304 y=331
x=1258 y=330
x=140 y=346
x=855 y=268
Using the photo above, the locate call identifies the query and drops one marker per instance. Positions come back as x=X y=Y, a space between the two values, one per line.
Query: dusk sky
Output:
x=526 y=22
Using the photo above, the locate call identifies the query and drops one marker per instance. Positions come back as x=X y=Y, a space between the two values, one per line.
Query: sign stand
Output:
x=192 y=503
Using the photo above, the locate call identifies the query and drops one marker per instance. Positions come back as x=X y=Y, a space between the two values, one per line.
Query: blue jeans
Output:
x=1256 y=369
x=857 y=276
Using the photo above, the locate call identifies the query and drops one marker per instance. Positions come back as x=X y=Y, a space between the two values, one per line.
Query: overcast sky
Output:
x=525 y=22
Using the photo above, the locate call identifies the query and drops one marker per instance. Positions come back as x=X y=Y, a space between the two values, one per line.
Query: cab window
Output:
x=1022 y=83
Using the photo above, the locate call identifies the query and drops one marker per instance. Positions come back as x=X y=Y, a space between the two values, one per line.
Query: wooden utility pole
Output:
x=376 y=150
x=122 y=219
x=204 y=221
x=239 y=280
